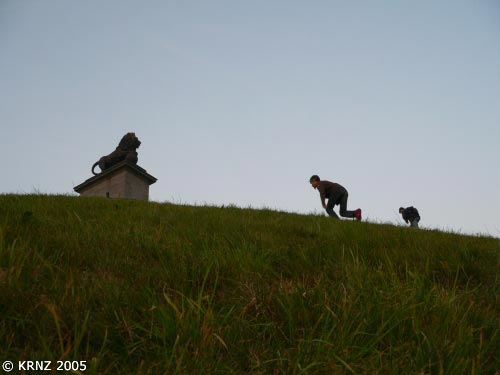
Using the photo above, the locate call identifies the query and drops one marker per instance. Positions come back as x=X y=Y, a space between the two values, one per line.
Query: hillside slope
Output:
x=148 y=288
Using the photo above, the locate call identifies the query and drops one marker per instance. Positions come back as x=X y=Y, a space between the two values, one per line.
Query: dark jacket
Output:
x=330 y=190
x=410 y=214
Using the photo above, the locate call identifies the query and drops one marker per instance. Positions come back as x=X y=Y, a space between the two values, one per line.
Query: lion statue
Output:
x=126 y=151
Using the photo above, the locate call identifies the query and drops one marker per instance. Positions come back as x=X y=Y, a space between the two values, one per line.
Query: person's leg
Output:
x=414 y=223
x=329 y=208
x=343 y=206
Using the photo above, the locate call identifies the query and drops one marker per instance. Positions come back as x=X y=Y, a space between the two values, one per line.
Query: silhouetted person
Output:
x=410 y=215
x=336 y=194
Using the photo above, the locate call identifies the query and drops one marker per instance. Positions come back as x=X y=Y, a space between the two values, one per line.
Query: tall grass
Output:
x=146 y=288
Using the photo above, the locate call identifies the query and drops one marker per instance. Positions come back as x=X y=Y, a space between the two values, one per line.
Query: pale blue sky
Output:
x=242 y=101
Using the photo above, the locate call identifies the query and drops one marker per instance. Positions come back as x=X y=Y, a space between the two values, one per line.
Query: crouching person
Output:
x=410 y=215
x=337 y=195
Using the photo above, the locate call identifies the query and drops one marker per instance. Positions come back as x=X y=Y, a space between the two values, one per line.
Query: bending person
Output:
x=337 y=195
x=410 y=215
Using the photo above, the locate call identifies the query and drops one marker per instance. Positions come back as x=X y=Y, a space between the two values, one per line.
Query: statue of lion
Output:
x=126 y=150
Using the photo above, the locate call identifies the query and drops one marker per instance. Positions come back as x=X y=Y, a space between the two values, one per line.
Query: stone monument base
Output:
x=123 y=180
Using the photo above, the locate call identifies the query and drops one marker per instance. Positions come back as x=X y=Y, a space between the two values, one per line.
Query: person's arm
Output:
x=321 y=190
x=405 y=216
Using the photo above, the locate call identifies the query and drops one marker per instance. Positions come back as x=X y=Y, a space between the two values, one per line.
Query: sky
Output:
x=240 y=102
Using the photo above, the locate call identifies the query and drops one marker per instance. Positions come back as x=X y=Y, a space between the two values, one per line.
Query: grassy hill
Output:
x=147 y=288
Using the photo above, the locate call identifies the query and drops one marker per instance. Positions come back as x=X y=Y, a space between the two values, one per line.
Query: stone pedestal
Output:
x=123 y=180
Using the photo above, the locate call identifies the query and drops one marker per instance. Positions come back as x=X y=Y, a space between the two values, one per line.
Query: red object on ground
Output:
x=357 y=214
